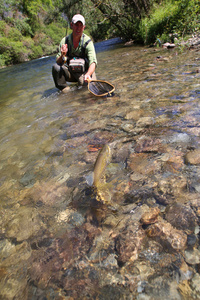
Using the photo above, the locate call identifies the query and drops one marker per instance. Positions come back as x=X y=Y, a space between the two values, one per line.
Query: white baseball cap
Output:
x=77 y=18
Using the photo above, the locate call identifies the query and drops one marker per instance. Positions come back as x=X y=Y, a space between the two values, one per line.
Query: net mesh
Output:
x=100 y=88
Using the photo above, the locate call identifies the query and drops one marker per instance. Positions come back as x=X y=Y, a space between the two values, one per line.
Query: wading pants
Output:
x=61 y=76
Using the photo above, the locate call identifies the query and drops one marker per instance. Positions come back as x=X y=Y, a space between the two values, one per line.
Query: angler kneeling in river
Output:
x=76 y=60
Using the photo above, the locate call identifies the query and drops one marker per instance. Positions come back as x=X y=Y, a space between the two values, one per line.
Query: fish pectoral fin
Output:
x=90 y=178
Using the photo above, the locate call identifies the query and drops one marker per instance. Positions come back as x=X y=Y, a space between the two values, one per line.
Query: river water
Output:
x=140 y=238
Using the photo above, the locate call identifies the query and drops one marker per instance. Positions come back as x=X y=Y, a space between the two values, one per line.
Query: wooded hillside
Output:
x=33 y=28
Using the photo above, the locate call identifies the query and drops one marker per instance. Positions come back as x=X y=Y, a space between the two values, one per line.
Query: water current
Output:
x=137 y=235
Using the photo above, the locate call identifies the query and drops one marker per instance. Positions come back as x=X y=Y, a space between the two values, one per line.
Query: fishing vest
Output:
x=83 y=47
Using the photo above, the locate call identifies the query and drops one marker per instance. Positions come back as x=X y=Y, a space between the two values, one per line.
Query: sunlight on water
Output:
x=64 y=239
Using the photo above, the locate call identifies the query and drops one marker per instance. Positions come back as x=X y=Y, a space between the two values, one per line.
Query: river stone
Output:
x=28 y=179
x=147 y=144
x=172 y=185
x=50 y=193
x=63 y=216
x=193 y=157
x=14 y=288
x=110 y=262
x=70 y=217
x=195 y=204
x=14 y=265
x=195 y=284
x=185 y=271
x=145 y=122
x=185 y=289
x=162 y=287
x=165 y=232
x=128 y=243
x=180 y=138
x=181 y=217
x=102 y=250
x=76 y=219
x=135 y=114
x=143 y=163
x=121 y=152
x=12 y=254
x=111 y=287
x=191 y=240
x=150 y=216
x=192 y=257
x=25 y=224
x=172 y=160
x=144 y=269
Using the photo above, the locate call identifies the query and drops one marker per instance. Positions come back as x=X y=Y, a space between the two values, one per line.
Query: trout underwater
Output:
x=102 y=161
x=96 y=179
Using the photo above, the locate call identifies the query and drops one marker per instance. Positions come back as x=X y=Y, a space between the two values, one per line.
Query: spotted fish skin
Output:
x=102 y=161
x=99 y=183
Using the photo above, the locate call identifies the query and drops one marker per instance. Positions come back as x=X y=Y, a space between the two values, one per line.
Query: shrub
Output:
x=55 y=32
x=4 y=45
x=187 y=18
x=157 y=23
x=180 y=17
x=23 y=26
x=48 y=49
x=36 y=51
x=12 y=52
x=14 y=34
x=40 y=38
x=2 y=61
x=28 y=42
x=2 y=28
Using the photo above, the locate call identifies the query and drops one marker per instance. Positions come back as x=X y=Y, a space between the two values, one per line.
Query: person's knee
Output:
x=55 y=68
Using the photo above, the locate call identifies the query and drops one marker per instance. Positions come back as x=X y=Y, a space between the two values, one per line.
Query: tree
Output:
x=35 y=10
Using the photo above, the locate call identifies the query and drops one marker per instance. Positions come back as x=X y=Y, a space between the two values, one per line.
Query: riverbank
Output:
x=189 y=43
x=192 y=42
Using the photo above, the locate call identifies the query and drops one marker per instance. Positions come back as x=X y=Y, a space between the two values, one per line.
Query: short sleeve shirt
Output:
x=89 y=50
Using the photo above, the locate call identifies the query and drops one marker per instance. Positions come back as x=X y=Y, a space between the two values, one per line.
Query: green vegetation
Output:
x=32 y=28
x=172 y=18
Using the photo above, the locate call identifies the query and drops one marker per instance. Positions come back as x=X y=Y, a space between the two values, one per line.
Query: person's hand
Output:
x=87 y=77
x=64 y=49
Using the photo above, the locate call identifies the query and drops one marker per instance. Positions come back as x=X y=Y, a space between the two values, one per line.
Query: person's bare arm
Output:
x=90 y=71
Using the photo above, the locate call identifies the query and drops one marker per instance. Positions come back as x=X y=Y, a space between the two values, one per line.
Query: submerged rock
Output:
x=14 y=260
x=167 y=234
x=195 y=284
x=195 y=204
x=161 y=287
x=128 y=243
x=145 y=122
x=143 y=163
x=193 y=157
x=25 y=224
x=185 y=290
x=181 y=217
x=174 y=186
x=147 y=144
x=168 y=45
x=192 y=257
x=150 y=216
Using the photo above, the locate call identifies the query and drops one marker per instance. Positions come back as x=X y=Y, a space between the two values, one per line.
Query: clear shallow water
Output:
x=57 y=240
